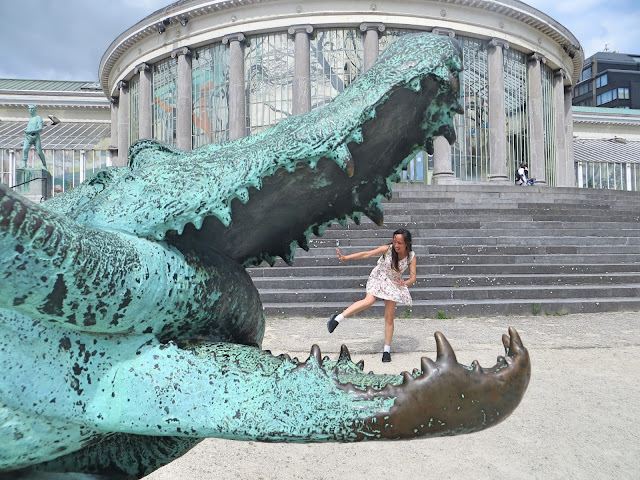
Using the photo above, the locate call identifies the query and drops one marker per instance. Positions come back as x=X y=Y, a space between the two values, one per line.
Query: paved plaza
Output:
x=579 y=418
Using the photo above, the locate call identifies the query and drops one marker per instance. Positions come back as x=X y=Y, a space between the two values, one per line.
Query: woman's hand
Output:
x=341 y=257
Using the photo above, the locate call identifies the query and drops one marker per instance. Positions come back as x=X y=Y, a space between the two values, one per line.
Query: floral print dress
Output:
x=381 y=283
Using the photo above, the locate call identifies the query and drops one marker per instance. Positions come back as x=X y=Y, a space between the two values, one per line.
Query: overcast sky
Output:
x=65 y=39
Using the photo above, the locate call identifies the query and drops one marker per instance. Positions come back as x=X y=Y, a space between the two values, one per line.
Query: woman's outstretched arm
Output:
x=361 y=255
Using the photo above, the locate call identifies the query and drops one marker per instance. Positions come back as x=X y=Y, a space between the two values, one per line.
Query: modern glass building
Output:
x=202 y=71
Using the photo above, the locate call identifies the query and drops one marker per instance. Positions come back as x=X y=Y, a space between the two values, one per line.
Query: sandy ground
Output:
x=580 y=417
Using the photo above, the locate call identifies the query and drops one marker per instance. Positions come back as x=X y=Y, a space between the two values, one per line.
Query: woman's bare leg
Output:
x=359 y=306
x=389 y=313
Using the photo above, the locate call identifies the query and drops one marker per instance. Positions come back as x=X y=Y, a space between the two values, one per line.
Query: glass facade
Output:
x=516 y=92
x=608 y=175
x=210 y=86
x=549 y=124
x=6 y=167
x=134 y=111
x=336 y=60
x=420 y=168
x=470 y=154
x=269 y=70
x=164 y=88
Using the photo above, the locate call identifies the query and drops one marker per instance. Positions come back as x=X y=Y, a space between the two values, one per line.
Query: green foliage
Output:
x=441 y=315
x=535 y=308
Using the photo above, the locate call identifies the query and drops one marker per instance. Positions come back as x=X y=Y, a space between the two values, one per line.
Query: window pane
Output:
x=515 y=103
x=336 y=60
x=210 y=82
x=134 y=114
x=164 y=85
x=269 y=69
x=470 y=154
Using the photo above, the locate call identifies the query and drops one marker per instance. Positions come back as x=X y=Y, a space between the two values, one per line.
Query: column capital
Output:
x=561 y=73
x=444 y=31
x=180 y=51
x=122 y=85
x=234 y=37
x=143 y=67
x=366 y=26
x=498 y=42
x=568 y=89
x=293 y=29
x=114 y=101
x=537 y=57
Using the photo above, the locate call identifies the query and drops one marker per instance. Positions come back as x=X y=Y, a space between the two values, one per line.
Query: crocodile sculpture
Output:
x=130 y=329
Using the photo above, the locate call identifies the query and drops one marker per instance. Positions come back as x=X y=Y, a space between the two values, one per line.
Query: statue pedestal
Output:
x=34 y=183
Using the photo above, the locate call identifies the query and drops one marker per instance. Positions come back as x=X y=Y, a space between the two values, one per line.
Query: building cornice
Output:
x=608 y=116
x=185 y=12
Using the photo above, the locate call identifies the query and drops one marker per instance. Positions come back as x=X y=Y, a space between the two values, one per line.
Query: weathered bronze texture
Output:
x=130 y=330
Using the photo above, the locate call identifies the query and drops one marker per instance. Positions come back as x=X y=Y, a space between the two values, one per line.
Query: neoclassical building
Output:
x=204 y=71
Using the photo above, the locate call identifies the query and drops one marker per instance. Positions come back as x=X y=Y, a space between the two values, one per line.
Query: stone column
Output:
x=559 y=134
x=144 y=101
x=442 y=173
x=302 y=68
x=568 y=136
x=372 y=33
x=123 y=123
x=536 y=126
x=497 y=116
x=114 y=124
x=237 y=107
x=184 y=108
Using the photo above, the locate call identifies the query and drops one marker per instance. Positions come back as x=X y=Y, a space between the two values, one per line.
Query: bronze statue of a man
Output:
x=32 y=137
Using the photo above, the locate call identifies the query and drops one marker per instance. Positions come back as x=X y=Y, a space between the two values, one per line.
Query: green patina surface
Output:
x=130 y=330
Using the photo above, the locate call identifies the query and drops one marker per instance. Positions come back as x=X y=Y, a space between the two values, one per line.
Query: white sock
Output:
x=339 y=318
x=387 y=348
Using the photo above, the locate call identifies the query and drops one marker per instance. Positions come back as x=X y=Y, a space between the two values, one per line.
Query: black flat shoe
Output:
x=386 y=357
x=332 y=323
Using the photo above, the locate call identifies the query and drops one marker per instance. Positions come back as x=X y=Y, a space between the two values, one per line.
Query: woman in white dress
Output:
x=385 y=282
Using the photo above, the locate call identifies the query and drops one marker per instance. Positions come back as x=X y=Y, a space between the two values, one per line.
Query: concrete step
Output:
x=482 y=250
x=363 y=270
x=493 y=229
x=476 y=259
x=496 y=292
x=426 y=249
x=427 y=281
x=469 y=308
x=475 y=241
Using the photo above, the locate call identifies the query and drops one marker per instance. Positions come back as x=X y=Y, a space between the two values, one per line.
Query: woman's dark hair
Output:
x=406 y=235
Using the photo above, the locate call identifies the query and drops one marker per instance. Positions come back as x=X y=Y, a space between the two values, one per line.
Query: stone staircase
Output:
x=482 y=250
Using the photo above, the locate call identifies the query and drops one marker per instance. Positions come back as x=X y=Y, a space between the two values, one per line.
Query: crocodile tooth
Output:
x=445 y=353
x=428 y=146
x=454 y=81
x=303 y=242
x=360 y=365
x=374 y=212
x=316 y=354
x=344 y=354
x=427 y=365
x=516 y=343
x=449 y=133
x=505 y=341
x=476 y=366
x=406 y=378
